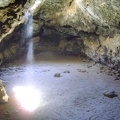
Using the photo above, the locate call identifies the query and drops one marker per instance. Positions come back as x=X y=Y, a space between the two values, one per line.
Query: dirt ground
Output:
x=77 y=94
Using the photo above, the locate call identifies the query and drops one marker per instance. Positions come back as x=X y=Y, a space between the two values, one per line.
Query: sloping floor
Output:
x=77 y=94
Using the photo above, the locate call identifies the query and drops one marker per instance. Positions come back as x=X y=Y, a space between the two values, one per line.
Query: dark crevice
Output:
x=70 y=3
x=96 y=28
x=88 y=33
x=67 y=26
x=70 y=38
x=118 y=25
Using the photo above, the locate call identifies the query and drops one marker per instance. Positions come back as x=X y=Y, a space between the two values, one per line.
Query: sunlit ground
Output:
x=29 y=97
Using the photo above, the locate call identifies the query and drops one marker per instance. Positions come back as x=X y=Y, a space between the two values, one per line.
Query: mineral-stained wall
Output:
x=11 y=13
x=83 y=27
x=4 y=3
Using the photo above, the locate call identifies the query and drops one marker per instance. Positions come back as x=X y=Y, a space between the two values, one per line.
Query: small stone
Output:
x=102 y=68
x=117 y=78
x=89 y=66
x=118 y=75
x=79 y=70
x=57 y=75
x=110 y=74
x=110 y=94
x=68 y=64
x=88 y=111
x=67 y=71
x=14 y=112
x=7 y=114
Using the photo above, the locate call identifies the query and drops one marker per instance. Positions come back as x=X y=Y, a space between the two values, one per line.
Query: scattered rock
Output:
x=57 y=75
x=86 y=60
x=45 y=70
x=68 y=64
x=15 y=112
x=7 y=114
x=89 y=66
x=110 y=94
x=80 y=70
x=110 y=74
x=117 y=78
x=118 y=75
x=67 y=71
x=88 y=111
x=102 y=67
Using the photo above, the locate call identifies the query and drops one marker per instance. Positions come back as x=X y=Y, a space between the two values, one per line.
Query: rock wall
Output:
x=81 y=27
x=84 y=27
x=6 y=2
x=12 y=22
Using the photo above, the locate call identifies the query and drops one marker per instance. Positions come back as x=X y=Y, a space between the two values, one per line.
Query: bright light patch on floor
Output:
x=28 y=97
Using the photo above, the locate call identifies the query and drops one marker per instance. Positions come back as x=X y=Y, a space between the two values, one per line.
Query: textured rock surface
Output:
x=83 y=27
x=11 y=20
x=6 y=2
x=80 y=27
x=3 y=95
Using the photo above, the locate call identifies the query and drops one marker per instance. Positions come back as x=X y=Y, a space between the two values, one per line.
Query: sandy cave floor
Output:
x=76 y=95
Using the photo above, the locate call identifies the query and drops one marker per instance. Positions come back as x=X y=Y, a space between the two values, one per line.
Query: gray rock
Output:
x=3 y=95
x=117 y=78
x=80 y=70
x=111 y=94
x=57 y=75
x=67 y=71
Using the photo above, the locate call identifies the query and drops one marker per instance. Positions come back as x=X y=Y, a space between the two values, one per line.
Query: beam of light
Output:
x=30 y=53
x=31 y=10
x=28 y=97
x=37 y=2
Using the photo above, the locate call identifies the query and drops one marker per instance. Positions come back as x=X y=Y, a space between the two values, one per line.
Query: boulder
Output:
x=110 y=94
x=3 y=95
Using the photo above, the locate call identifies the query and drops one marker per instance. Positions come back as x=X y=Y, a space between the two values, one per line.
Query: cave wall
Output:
x=12 y=24
x=84 y=27
x=81 y=27
x=6 y=2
